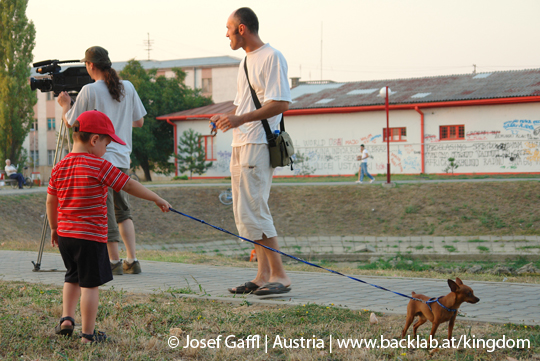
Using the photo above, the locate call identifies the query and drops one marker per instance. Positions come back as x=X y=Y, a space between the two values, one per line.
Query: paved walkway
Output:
x=508 y=302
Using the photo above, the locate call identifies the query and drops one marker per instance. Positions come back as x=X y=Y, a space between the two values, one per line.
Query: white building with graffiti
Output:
x=487 y=122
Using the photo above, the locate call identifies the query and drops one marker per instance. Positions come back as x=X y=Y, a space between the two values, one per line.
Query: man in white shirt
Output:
x=363 y=158
x=11 y=172
x=251 y=172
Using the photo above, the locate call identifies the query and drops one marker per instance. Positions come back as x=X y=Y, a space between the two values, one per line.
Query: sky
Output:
x=339 y=40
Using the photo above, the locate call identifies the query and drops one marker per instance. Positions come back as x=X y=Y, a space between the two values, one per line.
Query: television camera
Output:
x=70 y=80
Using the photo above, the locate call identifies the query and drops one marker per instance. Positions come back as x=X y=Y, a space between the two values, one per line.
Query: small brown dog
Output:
x=438 y=310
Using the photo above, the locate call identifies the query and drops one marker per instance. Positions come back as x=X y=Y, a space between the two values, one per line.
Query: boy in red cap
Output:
x=77 y=212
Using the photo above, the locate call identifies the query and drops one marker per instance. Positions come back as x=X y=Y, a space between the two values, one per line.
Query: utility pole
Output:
x=148 y=43
x=474 y=69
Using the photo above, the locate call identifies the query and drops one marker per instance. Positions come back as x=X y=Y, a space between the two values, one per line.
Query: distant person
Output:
x=120 y=101
x=77 y=213
x=363 y=158
x=11 y=172
x=251 y=172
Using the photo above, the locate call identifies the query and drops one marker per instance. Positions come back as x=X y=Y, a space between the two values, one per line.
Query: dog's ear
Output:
x=453 y=286
x=458 y=281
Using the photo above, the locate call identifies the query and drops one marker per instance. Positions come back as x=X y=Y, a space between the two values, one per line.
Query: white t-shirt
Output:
x=365 y=156
x=267 y=69
x=10 y=169
x=122 y=114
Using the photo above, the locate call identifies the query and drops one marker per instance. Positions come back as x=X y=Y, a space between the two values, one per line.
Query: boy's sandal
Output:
x=66 y=330
x=96 y=337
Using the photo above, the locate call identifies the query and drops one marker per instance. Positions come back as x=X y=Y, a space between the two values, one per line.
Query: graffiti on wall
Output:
x=511 y=145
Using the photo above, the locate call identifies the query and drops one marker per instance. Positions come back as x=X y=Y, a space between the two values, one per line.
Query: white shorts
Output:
x=251 y=179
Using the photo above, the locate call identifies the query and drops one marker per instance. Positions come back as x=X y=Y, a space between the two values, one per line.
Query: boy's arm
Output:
x=52 y=215
x=138 y=190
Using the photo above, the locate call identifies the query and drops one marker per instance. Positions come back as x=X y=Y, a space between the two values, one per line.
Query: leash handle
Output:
x=295 y=258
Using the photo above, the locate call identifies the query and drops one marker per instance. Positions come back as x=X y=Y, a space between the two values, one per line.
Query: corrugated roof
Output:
x=183 y=63
x=219 y=108
x=501 y=84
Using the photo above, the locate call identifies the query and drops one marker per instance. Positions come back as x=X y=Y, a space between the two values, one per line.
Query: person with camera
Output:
x=251 y=171
x=119 y=100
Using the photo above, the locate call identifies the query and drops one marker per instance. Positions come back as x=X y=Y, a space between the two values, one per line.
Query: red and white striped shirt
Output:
x=81 y=181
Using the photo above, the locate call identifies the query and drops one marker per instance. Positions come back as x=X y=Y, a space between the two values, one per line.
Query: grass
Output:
x=139 y=327
x=325 y=210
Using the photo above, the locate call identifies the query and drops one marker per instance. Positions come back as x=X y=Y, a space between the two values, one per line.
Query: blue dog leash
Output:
x=299 y=259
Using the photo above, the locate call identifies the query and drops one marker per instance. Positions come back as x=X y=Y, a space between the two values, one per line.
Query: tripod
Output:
x=63 y=135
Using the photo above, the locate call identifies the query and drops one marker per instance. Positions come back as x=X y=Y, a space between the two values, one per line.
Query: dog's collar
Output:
x=433 y=300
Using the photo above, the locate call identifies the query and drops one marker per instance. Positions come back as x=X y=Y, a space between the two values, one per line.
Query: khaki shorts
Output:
x=251 y=179
x=118 y=210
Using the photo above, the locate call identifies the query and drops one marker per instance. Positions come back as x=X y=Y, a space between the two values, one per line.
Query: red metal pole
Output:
x=387 y=139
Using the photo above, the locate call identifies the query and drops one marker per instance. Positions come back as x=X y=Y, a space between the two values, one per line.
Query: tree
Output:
x=17 y=41
x=153 y=143
x=191 y=155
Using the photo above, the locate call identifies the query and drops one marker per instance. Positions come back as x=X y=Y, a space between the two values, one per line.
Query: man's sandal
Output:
x=65 y=330
x=95 y=337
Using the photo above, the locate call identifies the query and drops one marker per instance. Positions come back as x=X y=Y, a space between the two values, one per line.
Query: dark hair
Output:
x=115 y=86
x=84 y=136
x=247 y=17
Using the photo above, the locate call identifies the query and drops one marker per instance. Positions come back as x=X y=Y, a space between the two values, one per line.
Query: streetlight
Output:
x=384 y=93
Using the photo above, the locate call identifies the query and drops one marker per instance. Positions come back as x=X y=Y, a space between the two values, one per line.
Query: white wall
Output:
x=224 y=84
x=498 y=139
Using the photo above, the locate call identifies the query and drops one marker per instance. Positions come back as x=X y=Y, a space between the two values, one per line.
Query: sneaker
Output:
x=116 y=268
x=358 y=182
x=132 y=268
x=371 y=181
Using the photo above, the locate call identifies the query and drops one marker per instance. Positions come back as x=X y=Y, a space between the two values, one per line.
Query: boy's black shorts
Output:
x=87 y=262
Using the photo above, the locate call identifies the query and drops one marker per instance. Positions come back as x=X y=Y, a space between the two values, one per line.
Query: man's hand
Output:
x=226 y=121
x=64 y=100
x=54 y=238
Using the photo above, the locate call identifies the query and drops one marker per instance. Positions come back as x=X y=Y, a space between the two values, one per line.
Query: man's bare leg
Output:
x=270 y=266
x=127 y=232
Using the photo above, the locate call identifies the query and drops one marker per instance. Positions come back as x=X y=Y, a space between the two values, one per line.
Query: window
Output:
x=207 y=85
x=34 y=126
x=50 y=96
x=451 y=132
x=51 y=123
x=396 y=134
x=209 y=147
x=50 y=157
x=34 y=157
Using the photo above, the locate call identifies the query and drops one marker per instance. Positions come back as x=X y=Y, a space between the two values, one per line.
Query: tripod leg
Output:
x=58 y=153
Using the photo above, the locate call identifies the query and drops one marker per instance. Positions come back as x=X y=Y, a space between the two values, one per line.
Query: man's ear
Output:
x=242 y=29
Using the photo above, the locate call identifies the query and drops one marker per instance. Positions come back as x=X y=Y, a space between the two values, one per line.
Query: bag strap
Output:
x=269 y=135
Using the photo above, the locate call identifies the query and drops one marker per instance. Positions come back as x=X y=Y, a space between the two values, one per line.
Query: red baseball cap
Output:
x=94 y=121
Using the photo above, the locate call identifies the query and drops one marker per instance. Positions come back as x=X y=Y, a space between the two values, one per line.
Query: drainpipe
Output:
x=421 y=137
x=175 y=147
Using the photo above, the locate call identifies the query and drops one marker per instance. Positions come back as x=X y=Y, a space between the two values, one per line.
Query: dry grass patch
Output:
x=438 y=209
x=139 y=327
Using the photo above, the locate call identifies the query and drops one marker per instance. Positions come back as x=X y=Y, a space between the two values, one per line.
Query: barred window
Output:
x=396 y=134
x=451 y=132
